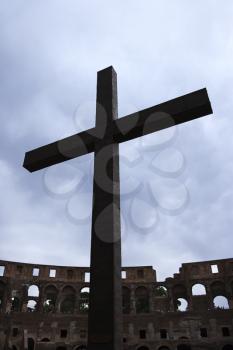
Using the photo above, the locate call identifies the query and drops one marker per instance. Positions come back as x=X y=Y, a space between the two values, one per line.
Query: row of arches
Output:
x=31 y=346
x=219 y=302
x=216 y=288
x=65 y=300
x=180 y=301
x=184 y=347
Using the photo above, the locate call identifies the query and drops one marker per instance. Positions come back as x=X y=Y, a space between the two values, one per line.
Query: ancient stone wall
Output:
x=46 y=307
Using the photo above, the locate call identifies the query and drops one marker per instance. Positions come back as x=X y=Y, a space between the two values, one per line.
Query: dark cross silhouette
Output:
x=105 y=306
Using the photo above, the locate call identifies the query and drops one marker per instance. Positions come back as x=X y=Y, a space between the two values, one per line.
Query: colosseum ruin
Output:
x=46 y=307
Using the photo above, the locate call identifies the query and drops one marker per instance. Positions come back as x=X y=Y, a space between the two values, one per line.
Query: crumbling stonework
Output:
x=46 y=307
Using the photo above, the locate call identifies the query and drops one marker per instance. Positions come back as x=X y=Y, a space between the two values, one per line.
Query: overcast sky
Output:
x=177 y=195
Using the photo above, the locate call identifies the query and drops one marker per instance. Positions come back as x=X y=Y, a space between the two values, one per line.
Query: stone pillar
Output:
x=209 y=298
x=58 y=301
x=171 y=300
x=151 y=299
x=190 y=298
x=77 y=300
x=213 y=328
x=131 y=331
x=170 y=330
x=54 y=331
x=40 y=300
x=151 y=331
x=132 y=301
x=192 y=329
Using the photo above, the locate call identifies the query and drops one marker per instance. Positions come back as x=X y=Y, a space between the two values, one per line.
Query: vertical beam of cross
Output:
x=105 y=313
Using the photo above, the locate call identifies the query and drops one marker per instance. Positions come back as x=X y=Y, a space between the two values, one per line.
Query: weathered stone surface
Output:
x=41 y=325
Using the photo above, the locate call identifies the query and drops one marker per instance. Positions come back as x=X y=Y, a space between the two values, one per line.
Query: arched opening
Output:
x=31 y=305
x=183 y=347
x=50 y=293
x=68 y=300
x=227 y=347
x=161 y=291
x=218 y=288
x=126 y=300
x=45 y=340
x=67 y=305
x=221 y=302
x=181 y=304
x=84 y=299
x=142 y=300
x=33 y=291
x=15 y=304
x=14 y=347
x=163 y=348
x=198 y=289
x=31 y=344
x=61 y=348
x=143 y=348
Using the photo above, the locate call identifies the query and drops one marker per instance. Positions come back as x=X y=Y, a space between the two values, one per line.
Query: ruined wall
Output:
x=46 y=307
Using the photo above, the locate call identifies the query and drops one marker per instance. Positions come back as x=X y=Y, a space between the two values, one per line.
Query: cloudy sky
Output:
x=177 y=195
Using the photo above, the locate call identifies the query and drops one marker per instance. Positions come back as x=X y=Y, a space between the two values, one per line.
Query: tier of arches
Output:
x=51 y=299
x=31 y=346
x=68 y=299
x=181 y=347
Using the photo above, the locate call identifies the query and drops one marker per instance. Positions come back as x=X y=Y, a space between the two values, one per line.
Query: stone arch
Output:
x=126 y=300
x=45 y=340
x=33 y=291
x=68 y=290
x=218 y=288
x=198 y=289
x=31 y=305
x=84 y=299
x=160 y=291
x=142 y=300
x=31 y=344
x=221 y=302
x=181 y=304
x=227 y=347
x=50 y=298
x=68 y=300
x=183 y=347
x=50 y=287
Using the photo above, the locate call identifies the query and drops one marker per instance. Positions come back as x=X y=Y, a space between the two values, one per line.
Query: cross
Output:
x=105 y=304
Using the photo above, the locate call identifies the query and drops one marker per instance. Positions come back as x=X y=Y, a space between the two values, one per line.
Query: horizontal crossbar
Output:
x=164 y=115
